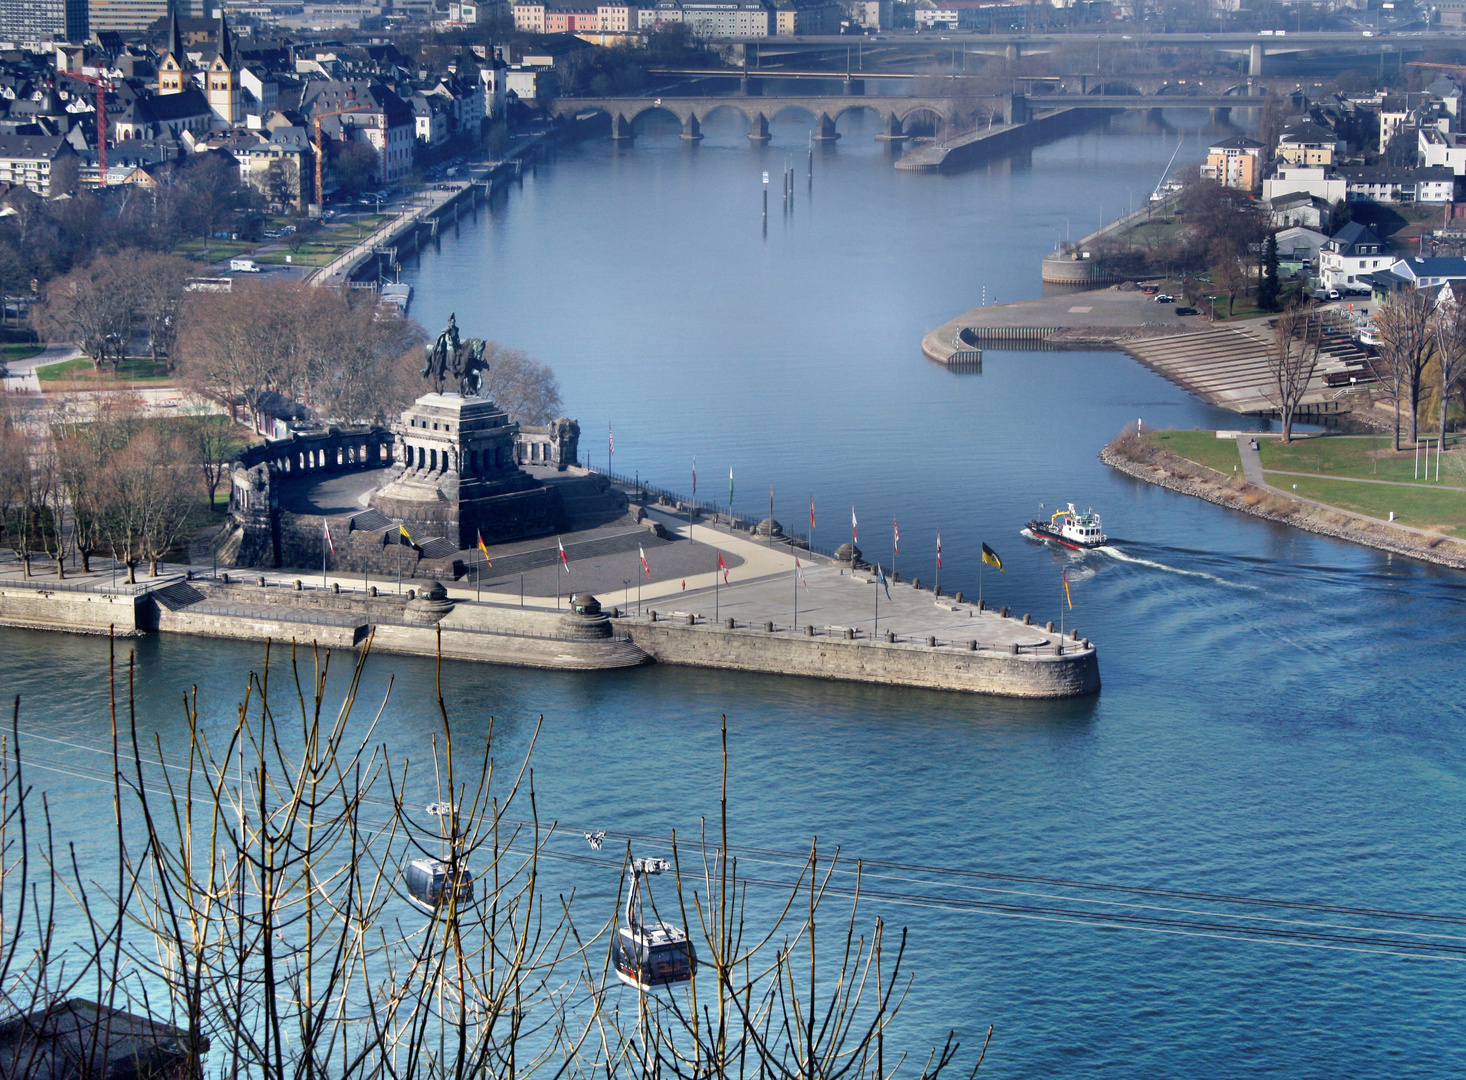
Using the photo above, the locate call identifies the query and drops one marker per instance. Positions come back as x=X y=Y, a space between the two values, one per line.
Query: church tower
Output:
x=221 y=80
x=175 y=73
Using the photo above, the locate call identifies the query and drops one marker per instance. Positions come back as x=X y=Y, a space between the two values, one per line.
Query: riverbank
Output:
x=1155 y=465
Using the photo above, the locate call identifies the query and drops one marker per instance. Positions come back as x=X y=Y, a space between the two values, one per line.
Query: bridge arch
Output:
x=802 y=111
x=681 y=118
x=747 y=114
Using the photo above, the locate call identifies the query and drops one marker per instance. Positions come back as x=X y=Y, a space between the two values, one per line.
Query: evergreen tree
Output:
x=1267 y=293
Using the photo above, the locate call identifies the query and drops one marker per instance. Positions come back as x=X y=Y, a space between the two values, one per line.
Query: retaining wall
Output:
x=79 y=612
x=942 y=668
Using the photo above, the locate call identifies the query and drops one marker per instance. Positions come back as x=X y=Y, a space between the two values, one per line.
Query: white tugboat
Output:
x=1072 y=529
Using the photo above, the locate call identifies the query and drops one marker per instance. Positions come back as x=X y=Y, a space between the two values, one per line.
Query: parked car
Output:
x=1165 y=298
x=1188 y=311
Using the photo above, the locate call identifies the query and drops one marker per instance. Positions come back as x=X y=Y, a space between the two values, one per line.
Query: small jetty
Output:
x=973 y=146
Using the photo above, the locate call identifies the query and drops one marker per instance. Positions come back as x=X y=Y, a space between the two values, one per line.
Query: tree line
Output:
x=107 y=480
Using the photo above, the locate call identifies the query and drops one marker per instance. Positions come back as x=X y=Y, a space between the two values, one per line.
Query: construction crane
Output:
x=321 y=149
x=101 y=86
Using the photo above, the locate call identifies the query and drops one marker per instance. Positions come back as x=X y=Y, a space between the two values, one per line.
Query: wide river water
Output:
x=1281 y=714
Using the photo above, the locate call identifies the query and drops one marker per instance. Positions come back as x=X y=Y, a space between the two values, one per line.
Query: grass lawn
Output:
x=1418 y=507
x=218 y=249
x=1366 y=456
x=1202 y=447
x=136 y=370
x=19 y=350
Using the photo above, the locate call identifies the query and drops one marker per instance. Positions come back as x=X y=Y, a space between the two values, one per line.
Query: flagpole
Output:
x=1064 y=583
x=557 y=586
x=325 y=532
x=877 y=629
x=796 y=592
x=399 y=566
x=937 y=584
x=717 y=583
x=478 y=575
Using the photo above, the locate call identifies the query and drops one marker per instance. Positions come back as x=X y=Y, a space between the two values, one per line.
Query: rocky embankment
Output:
x=1165 y=469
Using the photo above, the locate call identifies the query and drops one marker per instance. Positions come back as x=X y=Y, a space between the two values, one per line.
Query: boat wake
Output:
x=1116 y=553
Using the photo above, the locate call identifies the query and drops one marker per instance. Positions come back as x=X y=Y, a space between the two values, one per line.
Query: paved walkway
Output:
x=20 y=375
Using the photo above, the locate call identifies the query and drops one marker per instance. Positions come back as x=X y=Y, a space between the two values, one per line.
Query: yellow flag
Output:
x=1066 y=591
x=403 y=530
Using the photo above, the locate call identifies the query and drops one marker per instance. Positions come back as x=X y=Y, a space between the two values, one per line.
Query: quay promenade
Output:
x=915 y=639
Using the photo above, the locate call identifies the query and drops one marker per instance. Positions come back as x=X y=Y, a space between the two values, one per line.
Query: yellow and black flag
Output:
x=990 y=557
x=406 y=535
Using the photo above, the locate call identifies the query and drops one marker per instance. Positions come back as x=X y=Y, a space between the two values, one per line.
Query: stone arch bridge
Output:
x=894 y=112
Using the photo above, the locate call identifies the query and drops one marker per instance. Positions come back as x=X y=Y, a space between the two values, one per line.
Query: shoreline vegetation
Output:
x=1156 y=459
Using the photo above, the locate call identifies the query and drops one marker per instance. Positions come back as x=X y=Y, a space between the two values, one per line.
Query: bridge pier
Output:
x=854 y=87
x=1015 y=53
x=825 y=131
x=1255 y=58
x=760 y=130
x=751 y=86
x=1221 y=116
x=1015 y=109
x=692 y=128
x=893 y=132
x=621 y=129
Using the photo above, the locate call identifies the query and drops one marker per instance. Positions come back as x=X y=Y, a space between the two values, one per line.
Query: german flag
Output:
x=990 y=557
x=484 y=549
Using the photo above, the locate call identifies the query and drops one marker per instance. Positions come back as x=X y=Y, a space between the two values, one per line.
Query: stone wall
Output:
x=72 y=611
x=943 y=668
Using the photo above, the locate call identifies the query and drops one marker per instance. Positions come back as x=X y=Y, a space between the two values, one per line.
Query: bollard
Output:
x=225 y=578
x=808 y=631
x=692 y=620
x=412 y=594
x=895 y=578
x=1049 y=626
x=982 y=605
x=372 y=591
x=298 y=585
x=916 y=583
x=652 y=615
x=890 y=637
x=849 y=634
x=931 y=641
x=972 y=646
x=1061 y=648
x=1027 y=619
x=732 y=624
x=768 y=627
x=1004 y=612
x=1074 y=634
x=1015 y=648
x=937 y=591
x=188 y=575
x=336 y=587
x=1085 y=643
x=958 y=598
x=262 y=579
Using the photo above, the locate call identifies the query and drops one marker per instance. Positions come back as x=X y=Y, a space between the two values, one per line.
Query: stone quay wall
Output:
x=55 y=606
x=1074 y=674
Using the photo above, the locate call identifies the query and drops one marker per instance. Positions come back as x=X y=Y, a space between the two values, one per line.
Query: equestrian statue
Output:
x=461 y=358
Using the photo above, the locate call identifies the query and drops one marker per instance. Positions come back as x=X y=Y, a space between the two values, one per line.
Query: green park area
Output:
x=1202 y=447
x=18 y=350
x=135 y=371
x=1361 y=474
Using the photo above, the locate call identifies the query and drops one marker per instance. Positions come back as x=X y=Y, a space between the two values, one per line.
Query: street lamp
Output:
x=1212 y=300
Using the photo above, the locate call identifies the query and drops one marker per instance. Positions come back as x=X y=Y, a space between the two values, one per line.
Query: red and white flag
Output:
x=644 y=565
x=327 y=526
x=895 y=537
x=610 y=438
x=854 y=537
x=799 y=572
x=723 y=567
x=939 y=549
x=559 y=544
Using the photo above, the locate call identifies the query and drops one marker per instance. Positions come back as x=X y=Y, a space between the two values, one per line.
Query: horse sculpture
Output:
x=463 y=359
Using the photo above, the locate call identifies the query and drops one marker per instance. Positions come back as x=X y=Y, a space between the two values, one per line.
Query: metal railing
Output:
x=716 y=512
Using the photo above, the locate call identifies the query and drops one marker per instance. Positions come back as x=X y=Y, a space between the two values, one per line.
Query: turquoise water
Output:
x=1281 y=714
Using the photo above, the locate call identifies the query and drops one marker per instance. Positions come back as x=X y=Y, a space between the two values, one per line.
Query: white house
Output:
x=1430 y=272
x=1316 y=180
x=1350 y=254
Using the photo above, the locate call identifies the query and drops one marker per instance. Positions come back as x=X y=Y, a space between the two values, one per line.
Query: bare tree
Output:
x=159 y=291
x=1450 y=348
x=84 y=445
x=523 y=387
x=1406 y=342
x=1292 y=359
x=142 y=505
x=213 y=440
x=243 y=344
x=27 y=477
x=358 y=362
x=93 y=307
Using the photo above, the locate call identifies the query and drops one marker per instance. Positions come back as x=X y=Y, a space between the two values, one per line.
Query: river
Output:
x=1281 y=714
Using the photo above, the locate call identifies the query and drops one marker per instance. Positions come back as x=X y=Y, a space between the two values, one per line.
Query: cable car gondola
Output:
x=431 y=883
x=648 y=955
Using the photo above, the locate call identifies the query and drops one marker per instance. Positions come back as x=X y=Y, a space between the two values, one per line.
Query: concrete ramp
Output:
x=1224 y=366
